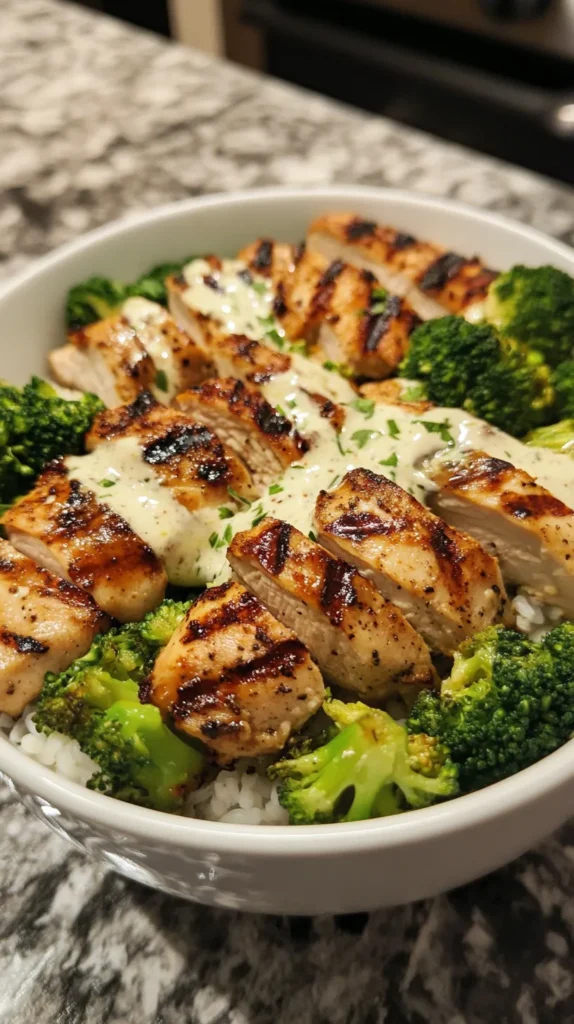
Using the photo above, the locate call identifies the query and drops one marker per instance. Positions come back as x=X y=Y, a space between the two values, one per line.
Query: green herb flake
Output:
x=276 y=338
x=260 y=287
x=312 y=535
x=438 y=428
x=228 y=534
x=281 y=411
x=414 y=393
x=234 y=494
x=275 y=489
x=340 y=368
x=225 y=513
x=380 y=293
x=364 y=405
x=161 y=381
x=335 y=480
x=267 y=321
x=393 y=460
x=292 y=403
x=361 y=437
x=299 y=348
x=378 y=308
x=339 y=443
x=259 y=519
x=107 y=483
x=393 y=429
x=213 y=539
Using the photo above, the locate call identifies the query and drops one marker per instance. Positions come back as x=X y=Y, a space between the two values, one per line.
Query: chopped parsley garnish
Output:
x=414 y=393
x=281 y=411
x=213 y=539
x=234 y=494
x=225 y=513
x=228 y=534
x=360 y=437
x=259 y=518
x=299 y=348
x=393 y=429
x=379 y=298
x=291 y=402
x=438 y=428
x=297 y=465
x=312 y=535
x=335 y=479
x=161 y=381
x=107 y=483
x=364 y=405
x=378 y=308
x=218 y=542
x=393 y=460
x=266 y=321
x=339 y=444
x=276 y=338
x=275 y=489
x=340 y=368
x=260 y=287
x=380 y=293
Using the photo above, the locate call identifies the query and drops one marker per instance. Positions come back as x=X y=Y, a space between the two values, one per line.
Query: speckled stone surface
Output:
x=97 y=120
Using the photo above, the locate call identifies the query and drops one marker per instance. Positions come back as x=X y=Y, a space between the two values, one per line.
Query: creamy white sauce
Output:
x=147 y=319
x=117 y=474
x=382 y=438
x=241 y=307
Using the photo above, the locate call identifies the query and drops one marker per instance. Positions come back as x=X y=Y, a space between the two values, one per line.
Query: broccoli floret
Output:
x=563 y=384
x=94 y=299
x=152 y=284
x=467 y=366
x=37 y=425
x=96 y=702
x=535 y=306
x=507 y=703
x=366 y=770
x=559 y=437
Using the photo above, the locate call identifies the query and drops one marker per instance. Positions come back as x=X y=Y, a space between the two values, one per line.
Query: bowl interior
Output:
x=31 y=318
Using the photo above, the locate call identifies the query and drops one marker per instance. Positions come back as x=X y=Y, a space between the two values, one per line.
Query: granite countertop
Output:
x=97 y=120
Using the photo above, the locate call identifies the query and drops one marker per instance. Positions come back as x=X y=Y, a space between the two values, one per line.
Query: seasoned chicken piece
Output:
x=106 y=358
x=394 y=392
x=341 y=309
x=179 y=362
x=235 y=678
x=271 y=259
x=186 y=456
x=435 y=280
x=264 y=438
x=444 y=583
x=45 y=623
x=235 y=355
x=529 y=530
x=357 y=638
x=66 y=530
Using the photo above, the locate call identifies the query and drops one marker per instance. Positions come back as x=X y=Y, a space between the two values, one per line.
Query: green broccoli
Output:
x=99 y=297
x=559 y=437
x=467 y=366
x=508 y=702
x=535 y=306
x=96 y=702
x=367 y=769
x=36 y=425
x=152 y=284
x=94 y=299
x=563 y=384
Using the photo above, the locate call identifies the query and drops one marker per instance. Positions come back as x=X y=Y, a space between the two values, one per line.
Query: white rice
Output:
x=243 y=796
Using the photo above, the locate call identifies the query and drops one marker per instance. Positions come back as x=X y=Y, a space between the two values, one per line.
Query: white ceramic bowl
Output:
x=313 y=869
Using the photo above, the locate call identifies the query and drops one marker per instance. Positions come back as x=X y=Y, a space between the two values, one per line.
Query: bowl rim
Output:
x=264 y=841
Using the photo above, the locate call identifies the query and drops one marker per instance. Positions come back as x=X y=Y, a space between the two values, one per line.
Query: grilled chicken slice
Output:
x=106 y=358
x=444 y=583
x=235 y=355
x=394 y=392
x=62 y=527
x=529 y=530
x=264 y=438
x=435 y=280
x=186 y=456
x=179 y=362
x=357 y=638
x=233 y=677
x=45 y=623
x=340 y=308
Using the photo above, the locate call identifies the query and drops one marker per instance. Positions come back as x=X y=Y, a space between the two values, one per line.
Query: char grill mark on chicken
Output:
x=233 y=677
x=445 y=584
x=358 y=639
x=62 y=527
